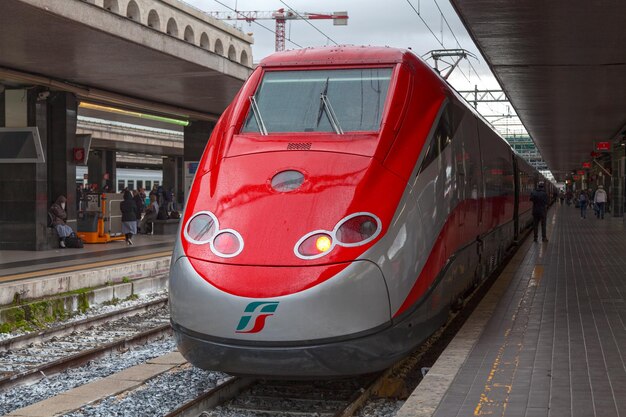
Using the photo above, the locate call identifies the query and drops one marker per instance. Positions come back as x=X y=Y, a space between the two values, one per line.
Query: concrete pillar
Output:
x=62 y=118
x=101 y=167
x=173 y=177
x=28 y=189
x=196 y=137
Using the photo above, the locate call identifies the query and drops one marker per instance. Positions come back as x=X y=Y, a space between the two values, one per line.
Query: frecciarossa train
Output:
x=346 y=199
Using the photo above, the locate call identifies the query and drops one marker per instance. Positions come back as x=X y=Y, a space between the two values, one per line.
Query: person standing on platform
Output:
x=140 y=203
x=600 y=199
x=539 y=197
x=583 y=202
x=129 y=217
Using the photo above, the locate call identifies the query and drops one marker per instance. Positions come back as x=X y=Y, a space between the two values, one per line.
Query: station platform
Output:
x=20 y=265
x=549 y=338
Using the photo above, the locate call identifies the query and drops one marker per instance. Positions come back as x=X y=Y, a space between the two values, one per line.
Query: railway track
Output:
x=31 y=357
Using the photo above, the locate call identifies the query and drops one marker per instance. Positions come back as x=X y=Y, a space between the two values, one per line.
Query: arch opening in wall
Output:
x=132 y=11
x=172 y=27
x=204 y=40
x=232 y=54
x=153 y=20
x=111 y=5
x=244 y=58
x=219 y=48
x=189 y=36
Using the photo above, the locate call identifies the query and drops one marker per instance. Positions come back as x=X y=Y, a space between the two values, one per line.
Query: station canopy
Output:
x=562 y=64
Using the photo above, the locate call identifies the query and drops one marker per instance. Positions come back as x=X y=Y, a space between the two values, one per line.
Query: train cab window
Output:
x=342 y=100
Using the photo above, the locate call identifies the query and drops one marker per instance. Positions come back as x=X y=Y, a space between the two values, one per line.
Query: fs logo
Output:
x=254 y=316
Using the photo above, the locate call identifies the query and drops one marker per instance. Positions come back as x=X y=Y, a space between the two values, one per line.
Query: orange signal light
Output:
x=323 y=243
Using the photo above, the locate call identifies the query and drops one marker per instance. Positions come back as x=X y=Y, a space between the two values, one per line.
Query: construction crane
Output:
x=281 y=16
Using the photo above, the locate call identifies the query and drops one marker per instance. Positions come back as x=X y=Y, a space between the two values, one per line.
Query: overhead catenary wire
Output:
x=425 y=24
x=307 y=21
x=254 y=21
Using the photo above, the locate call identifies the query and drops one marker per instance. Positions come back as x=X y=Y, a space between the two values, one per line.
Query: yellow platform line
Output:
x=81 y=267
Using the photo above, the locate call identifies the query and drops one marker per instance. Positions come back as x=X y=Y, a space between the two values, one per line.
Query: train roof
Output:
x=337 y=55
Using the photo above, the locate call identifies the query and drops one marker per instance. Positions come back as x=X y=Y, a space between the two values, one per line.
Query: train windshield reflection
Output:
x=348 y=100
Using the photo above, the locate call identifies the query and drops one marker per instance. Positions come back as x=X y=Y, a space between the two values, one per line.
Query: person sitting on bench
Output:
x=151 y=214
x=59 y=217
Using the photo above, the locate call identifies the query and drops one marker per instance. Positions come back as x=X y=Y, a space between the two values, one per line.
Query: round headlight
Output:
x=315 y=245
x=357 y=230
x=227 y=244
x=201 y=228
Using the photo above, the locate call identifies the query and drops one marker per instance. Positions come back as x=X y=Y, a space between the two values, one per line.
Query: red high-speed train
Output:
x=345 y=201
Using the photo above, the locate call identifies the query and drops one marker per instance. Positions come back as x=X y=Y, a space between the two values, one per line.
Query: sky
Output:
x=393 y=23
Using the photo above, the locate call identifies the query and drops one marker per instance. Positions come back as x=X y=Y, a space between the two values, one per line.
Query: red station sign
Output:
x=581 y=172
x=603 y=146
x=576 y=177
x=586 y=164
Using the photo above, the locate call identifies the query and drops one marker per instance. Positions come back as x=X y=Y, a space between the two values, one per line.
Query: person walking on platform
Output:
x=539 y=197
x=583 y=202
x=128 y=208
x=58 y=217
x=600 y=200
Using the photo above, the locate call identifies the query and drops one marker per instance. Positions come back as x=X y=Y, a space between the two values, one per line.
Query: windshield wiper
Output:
x=328 y=109
x=257 y=116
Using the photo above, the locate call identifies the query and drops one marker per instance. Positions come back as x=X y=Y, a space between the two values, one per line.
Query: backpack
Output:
x=73 y=241
x=582 y=198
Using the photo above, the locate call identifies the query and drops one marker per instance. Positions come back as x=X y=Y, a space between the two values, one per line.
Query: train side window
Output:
x=148 y=185
x=139 y=183
x=131 y=184
x=120 y=185
x=441 y=139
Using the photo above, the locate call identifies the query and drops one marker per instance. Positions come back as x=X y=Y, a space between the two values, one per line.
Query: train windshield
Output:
x=339 y=101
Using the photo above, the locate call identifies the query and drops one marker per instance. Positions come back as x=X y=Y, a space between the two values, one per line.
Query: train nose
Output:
x=352 y=301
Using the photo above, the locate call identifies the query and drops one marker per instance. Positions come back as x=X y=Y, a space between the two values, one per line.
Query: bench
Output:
x=165 y=227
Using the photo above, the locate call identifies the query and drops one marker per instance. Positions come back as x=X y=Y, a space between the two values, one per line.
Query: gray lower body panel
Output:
x=355 y=356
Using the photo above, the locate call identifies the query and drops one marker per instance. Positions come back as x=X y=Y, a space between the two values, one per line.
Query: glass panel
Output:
x=148 y=185
x=292 y=101
x=139 y=183
x=120 y=186
x=131 y=184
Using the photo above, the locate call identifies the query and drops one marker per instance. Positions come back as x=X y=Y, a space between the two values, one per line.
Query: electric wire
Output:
x=425 y=24
x=254 y=21
x=307 y=21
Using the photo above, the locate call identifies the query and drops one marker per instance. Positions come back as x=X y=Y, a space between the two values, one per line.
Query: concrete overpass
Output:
x=156 y=55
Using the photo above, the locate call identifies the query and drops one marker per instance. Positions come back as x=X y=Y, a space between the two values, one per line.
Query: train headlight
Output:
x=358 y=229
x=201 y=227
x=314 y=245
x=227 y=244
x=355 y=230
